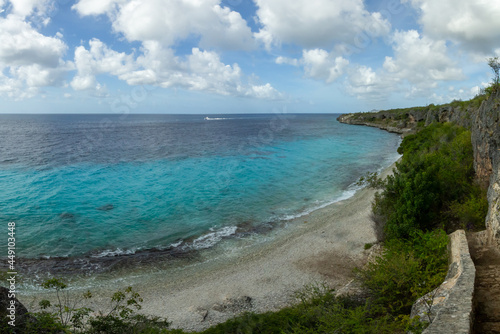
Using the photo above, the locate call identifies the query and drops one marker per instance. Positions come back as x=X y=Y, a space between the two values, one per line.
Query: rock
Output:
x=21 y=312
x=234 y=305
x=66 y=215
x=106 y=207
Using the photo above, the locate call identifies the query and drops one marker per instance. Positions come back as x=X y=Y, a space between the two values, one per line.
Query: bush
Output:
x=433 y=186
x=407 y=270
x=320 y=311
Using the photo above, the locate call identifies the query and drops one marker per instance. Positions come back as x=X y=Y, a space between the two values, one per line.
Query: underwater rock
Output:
x=106 y=207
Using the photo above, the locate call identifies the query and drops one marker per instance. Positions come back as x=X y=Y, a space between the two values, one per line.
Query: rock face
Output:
x=20 y=312
x=406 y=120
x=486 y=143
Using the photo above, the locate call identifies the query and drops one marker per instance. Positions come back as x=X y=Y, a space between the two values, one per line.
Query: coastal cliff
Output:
x=468 y=299
x=480 y=115
x=409 y=120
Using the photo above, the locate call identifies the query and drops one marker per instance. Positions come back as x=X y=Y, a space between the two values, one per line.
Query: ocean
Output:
x=97 y=186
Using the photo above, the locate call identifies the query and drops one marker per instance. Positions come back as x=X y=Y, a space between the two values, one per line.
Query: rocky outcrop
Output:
x=407 y=120
x=377 y=120
x=12 y=310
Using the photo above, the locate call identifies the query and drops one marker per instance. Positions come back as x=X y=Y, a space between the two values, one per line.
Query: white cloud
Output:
x=462 y=94
x=39 y=76
x=24 y=8
x=28 y=59
x=419 y=65
x=23 y=45
x=95 y=7
x=364 y=83
x=316 y=23
x=266 y=92
x=319 y=64
x=170 y=21
x=97 y=60
x=201 y=70
x=159 y=25
x=421 y=60
x=474 y=24
x=289 y=61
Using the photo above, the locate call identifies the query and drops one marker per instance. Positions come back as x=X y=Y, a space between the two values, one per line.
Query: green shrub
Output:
x=433 y=185
x=407 y=270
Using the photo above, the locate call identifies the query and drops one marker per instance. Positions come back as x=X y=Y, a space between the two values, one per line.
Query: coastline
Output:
x=323 y=246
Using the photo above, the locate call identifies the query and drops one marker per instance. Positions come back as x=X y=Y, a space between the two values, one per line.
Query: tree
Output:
x=494 y=63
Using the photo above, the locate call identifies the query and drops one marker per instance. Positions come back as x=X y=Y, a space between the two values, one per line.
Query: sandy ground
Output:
x=322 y=247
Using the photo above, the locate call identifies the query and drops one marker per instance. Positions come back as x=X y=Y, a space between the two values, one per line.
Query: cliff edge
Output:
x=481 y=116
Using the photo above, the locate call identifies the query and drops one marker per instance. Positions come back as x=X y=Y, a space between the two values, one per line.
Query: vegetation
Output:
x=433 y=186
x=402 y=116
x=494 y=64
x=65 y=317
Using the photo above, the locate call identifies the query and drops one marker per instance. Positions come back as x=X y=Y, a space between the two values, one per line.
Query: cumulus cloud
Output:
x=24 y=8
x=28 y=59
x=159 y=25
x=474 y=24
x=318 y=64
x=419 y=65
x=23 y=45
x=97 y=60
x=364 y=83
x=421 y=60
x=316 y=23
x=170 y=21
x=201 y=70
x=96 y=7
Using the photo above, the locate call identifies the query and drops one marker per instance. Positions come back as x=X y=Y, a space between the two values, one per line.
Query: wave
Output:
x=211 y=239
x=216 y=118
x=205 y=241
x=115 y=252
x=346 y=194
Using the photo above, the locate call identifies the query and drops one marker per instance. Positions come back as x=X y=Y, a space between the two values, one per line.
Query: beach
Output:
x=321 y=247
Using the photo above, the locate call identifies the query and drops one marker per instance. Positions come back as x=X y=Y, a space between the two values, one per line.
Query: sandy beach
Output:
x=321 y=247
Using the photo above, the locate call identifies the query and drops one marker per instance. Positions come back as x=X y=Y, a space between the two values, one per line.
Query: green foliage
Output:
x=122 y=319
x=372 y=180
x=470 y=214
x=407 y=270
x=433 y=185
x=494 y=64
x=65 y=310
x=320 y=311
x=63 y=316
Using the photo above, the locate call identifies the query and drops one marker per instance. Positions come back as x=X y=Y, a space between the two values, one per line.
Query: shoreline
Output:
x=323 y=246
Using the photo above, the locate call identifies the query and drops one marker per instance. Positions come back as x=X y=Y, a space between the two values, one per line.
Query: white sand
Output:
x=323 y=246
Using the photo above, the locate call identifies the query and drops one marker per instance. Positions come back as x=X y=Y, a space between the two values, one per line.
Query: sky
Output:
x=242 y=56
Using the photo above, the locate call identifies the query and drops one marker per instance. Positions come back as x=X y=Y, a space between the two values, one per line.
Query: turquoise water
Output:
x=160 y=181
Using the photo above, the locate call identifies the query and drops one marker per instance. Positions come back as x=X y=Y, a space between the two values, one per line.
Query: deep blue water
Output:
x=107 y=184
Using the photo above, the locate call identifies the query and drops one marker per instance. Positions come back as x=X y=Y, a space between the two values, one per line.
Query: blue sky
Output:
x=242 y=56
